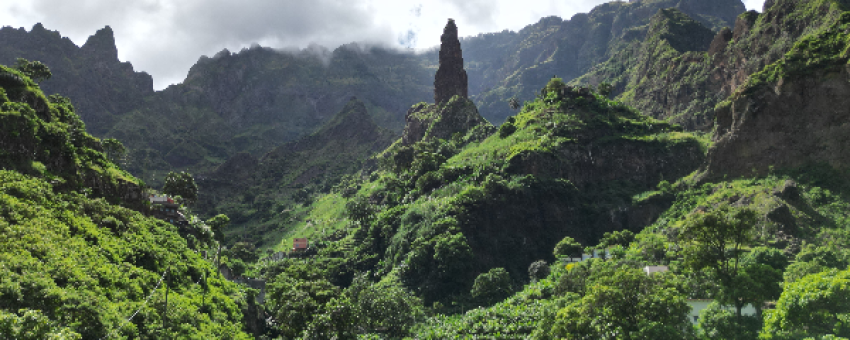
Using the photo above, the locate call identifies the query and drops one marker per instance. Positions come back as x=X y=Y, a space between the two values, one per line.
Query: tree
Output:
x=37 y=71
x=244 y=251
x=217 y=225
x=33 y=325
x=513 y=103
x=617 y=238
x=568 y=247
x=114 y=150
x=626 y=304
x=387 y=306
x=181 y=184
x=816 y=306
x=605 y=89
x=716 y=240
x=538 y=270
x=492 y=286
x=716 y=322
x=294 y=302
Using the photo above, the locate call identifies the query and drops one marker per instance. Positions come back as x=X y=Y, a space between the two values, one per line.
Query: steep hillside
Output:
x=668 y=82
x=507 y=64
x=441 y=211
x=257 y=194
x=76 y=261
x=791 y=115
x=101 y=87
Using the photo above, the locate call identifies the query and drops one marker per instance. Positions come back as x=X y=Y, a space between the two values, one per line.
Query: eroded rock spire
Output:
x=451 y=77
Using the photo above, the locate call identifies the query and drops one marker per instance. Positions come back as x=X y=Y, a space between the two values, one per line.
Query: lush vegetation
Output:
x=458 y=230
x=76 y=261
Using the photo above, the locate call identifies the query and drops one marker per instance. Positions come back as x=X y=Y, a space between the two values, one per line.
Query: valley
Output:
x=652 y=169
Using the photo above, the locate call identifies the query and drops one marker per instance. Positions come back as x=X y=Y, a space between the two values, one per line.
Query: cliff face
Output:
x=685 y=84
x=101 y=87
x=790 y=115
x=570 y=48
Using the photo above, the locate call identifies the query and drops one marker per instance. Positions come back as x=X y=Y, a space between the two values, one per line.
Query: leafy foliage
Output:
x=492 y=286
x=181 y=184
x=76 y=264
x=37 y=71
x=815 y=306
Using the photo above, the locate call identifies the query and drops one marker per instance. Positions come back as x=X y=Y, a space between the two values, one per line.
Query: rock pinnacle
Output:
x=451 y=77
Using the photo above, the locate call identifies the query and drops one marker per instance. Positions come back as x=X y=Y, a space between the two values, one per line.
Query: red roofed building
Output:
x=299 y=244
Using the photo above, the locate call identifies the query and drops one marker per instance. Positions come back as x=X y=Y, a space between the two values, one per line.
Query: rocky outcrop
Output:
x=791 y=115
x=685 y=85
x=451 y=78
x=430 y=122
x=795 y=123
x=452 y=112
x=100 y=86
x=721 y=40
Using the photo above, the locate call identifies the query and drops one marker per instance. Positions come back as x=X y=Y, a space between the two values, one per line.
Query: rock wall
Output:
x=795 y=123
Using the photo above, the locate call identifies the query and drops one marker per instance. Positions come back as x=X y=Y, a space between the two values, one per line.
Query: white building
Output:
x=698 y=305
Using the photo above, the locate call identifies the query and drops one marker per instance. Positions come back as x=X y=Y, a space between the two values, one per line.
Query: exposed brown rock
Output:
x=720 y=41
x=744 y=23
x=429 y=122
x=451 y=78
x=793 y=123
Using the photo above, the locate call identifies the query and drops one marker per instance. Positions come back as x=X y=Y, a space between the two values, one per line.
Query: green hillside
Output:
x=684 y=84
x=78 y=258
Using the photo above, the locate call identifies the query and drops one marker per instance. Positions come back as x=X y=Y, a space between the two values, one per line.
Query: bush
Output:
x=718 y=323
x=538 y=270
x=492 y=286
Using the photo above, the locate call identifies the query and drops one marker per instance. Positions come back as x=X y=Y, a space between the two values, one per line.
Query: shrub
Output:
x=492 y=286
x=538 y=270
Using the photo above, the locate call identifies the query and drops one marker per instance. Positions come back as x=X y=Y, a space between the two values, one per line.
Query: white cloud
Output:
x=166 y=37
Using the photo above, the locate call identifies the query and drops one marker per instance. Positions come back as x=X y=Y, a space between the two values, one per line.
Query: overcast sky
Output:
x=166 y=37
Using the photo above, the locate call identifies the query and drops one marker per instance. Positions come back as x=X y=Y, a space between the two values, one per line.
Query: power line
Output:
x=143 y=304
x=161 y=278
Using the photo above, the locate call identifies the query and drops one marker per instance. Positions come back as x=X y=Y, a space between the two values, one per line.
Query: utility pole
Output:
x=165 y=312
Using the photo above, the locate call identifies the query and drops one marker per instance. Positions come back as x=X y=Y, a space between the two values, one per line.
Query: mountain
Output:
x=101 y=87
x=514 y=64
x=719 y=158
x=255 y=193
x=459 y=198
x=259 y=98
x=684 y=84
x=760 y=128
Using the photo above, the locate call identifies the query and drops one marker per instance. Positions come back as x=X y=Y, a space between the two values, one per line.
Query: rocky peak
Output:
x=102 y=43
x=451 y=78
x=682 y=32
x=721 y=40
x=351 y=121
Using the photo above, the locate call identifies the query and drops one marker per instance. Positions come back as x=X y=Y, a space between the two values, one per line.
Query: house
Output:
x=164 y=208
x=655 y=269
x=300 y=244
x=596 y=254
x=698 y=305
